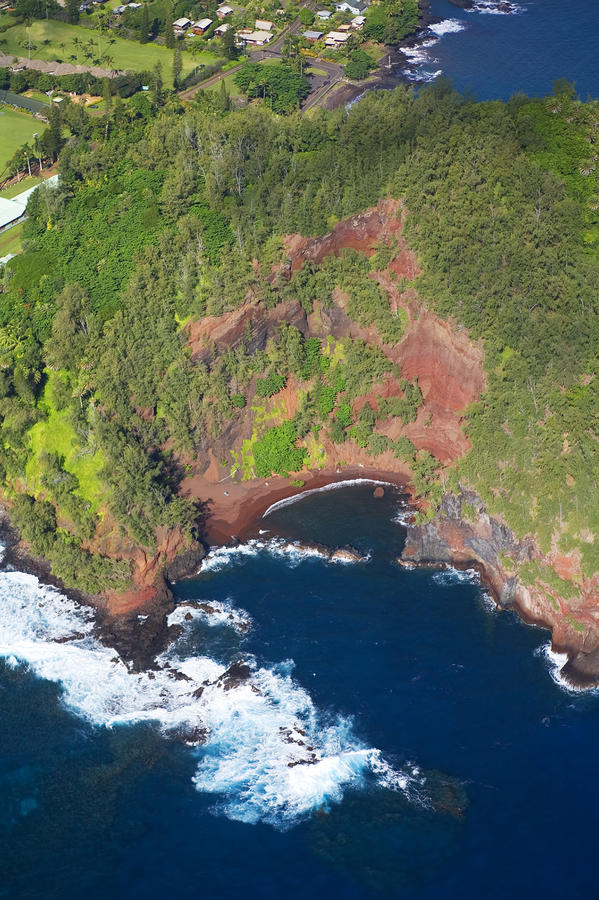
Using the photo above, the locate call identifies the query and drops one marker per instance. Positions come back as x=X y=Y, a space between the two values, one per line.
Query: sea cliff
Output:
x=463 y=534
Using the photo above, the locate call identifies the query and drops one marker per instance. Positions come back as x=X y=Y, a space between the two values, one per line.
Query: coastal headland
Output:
x=379 y=327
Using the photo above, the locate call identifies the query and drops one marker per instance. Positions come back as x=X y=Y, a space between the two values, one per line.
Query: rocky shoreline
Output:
x=450 y=538
x=137 y=639
x=485 y=544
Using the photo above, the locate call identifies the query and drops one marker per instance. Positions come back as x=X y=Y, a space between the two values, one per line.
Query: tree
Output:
x=177 y=68
x=70 y=329
x=169 y=35
x=230 y=49
x=103 y=26
x=107 y=94
x=144 y=27
x=73 y=11
x=156 y=87
x=306 y=16
x=52 y=139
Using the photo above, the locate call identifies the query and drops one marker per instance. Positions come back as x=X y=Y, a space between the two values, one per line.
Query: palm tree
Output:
x=108 y=61
x=77 y=43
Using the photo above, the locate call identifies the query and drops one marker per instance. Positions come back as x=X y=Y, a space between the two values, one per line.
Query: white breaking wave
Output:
x=294 y=551
x=447 y=26
x=497 y=8
x=214 y=613
x=555 y=663
x=350 y=482
x=403 y=517
x=456 y=576
x=268 y=754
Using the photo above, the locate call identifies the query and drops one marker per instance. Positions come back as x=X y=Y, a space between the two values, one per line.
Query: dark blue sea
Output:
x=496 y=55
x=385 y=733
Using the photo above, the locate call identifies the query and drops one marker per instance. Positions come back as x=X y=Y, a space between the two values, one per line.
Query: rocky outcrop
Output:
x=478 y=540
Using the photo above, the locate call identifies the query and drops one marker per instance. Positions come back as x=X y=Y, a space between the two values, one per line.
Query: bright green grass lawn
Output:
x=53 y=40
x=16 y=129
x=10 y=241
x=56 y=435
x=229 y=81
x=20 y=186
x=38 y=95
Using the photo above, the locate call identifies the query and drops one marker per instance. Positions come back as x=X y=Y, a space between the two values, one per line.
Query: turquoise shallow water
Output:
x=449 y=763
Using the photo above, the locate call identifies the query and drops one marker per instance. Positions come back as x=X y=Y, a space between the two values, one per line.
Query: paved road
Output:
x=273 y=51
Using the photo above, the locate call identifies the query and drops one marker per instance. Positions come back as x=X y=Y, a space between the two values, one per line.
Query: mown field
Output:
x=52 y=40
x=16 y=129
x=10 y=241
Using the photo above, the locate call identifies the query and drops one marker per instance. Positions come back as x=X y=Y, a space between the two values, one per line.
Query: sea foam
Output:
x=334 y=485
x=447 y=26
x=451 y=576
x=293 y=551
x=555 y=663
x=264 y=751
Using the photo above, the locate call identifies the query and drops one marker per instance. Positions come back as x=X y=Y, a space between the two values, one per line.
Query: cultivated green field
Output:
x=58 y=41
x=16 y=129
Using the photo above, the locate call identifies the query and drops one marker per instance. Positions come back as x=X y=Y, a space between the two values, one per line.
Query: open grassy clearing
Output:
x=58 y=41
x=10 y=241
x=16 y=129
x=57 y=435
x=229 y=82
x=19 y=186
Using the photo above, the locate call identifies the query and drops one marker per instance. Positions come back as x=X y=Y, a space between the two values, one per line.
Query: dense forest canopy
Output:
x=164 y=216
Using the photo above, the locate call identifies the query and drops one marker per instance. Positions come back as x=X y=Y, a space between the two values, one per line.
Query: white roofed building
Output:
x=336 y=38
x=257 y=38
x=201 y=26
x=180 y=26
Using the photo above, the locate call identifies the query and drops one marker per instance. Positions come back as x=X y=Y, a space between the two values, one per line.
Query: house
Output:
x=264 y=25
x=343 y=27
x=358 y=23
x=312 y=35
x=324 y=14
x=11 y=211
x=201 y=26
x=223 y=11
x=220 y=29
x=258 y=38
x=180 y=26
x=335 y=38
x=351 y=6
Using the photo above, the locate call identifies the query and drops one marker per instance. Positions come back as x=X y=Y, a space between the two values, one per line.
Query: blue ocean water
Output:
x=433 y=755
x=496 y=55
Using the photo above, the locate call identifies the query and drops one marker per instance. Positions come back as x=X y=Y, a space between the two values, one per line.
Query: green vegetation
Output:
x=163 y=216
x=10 y=241
x=360 y=65
x=52 y=40
x=392 y=21
x=279 y=85
x=16 y=128
x=277 y=451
